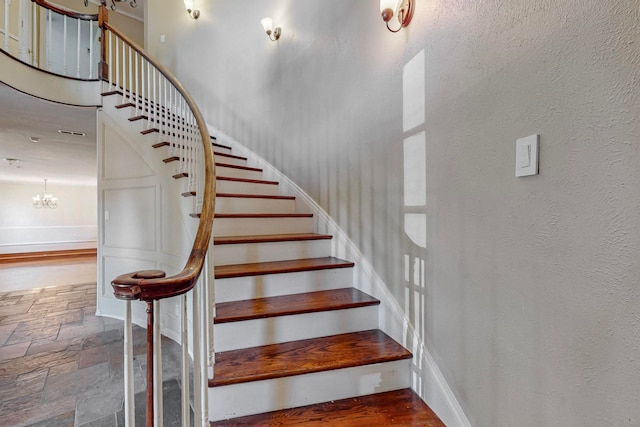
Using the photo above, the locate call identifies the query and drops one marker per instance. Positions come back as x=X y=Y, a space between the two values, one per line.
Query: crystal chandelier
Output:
x=46 y=201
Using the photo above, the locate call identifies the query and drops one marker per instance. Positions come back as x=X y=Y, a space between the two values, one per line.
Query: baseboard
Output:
x=393 y=321
x=48 y=255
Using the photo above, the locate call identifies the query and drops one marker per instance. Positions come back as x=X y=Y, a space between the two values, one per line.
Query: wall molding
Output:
x=391 y=316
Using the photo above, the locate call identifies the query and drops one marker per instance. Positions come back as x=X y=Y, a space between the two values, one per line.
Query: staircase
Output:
x=290 y=329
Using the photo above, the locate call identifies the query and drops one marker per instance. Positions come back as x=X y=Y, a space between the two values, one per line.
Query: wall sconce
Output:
x=193 y=13
x=404 y=9
x=273 y=33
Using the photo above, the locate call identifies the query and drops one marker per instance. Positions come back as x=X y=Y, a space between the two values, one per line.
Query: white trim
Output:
x=47 y=226
x=392 y=318
x=57 y=242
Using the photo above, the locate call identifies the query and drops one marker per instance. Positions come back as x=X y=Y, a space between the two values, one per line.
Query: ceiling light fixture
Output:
x=193 y=13
x=404 y=10
x=273 y=33
x=46 y=201
x=34 y=139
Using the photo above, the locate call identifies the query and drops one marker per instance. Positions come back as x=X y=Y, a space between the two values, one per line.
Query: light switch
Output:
x=162 y=38
x=527 y=155
x=106 y=216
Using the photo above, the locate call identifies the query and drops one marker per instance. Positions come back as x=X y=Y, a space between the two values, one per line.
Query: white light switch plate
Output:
x=527 y=155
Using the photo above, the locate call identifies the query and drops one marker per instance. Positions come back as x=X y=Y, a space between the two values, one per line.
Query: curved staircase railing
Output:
x=157 y=96
x=145 y=85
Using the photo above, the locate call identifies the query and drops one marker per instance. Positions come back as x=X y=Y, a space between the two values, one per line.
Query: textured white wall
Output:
x=527 y=293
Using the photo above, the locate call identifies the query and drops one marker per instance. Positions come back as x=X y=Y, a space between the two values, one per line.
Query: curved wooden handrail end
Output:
x=128 y=286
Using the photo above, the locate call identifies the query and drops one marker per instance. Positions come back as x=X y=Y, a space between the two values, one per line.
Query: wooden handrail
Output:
x=69 y=13
x=147 y=285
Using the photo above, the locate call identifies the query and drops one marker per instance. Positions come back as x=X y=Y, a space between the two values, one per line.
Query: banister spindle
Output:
x=6 y=25
x=90 y=50
x=185 y=361
x=129 y=396
x=48 y=41
x=150 y=370
x=157 y=367
x=117 y=67
x=78 y=49
x=64 y=45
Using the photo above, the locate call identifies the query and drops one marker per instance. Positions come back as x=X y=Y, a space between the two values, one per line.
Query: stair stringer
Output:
x=435 y=390
x=173 y=230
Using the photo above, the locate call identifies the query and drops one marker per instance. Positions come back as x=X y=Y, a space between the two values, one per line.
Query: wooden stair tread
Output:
x=393 y=408
x=216 y=144
x=285 y=305
x=246 y=168
x=305 y=357
x=231 y=156
x=270 y=238
x=255 y=196
x=256 y=215
x=252 y=181
x=265 y=215
x=277 y=267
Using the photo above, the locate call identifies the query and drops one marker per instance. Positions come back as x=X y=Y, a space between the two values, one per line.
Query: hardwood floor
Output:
x=44 y=274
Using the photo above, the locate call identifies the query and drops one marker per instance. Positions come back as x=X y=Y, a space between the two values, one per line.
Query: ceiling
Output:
x=29 y=132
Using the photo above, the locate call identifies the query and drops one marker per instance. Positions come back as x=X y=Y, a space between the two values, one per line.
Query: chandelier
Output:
x=46 y=201
x=132 y=3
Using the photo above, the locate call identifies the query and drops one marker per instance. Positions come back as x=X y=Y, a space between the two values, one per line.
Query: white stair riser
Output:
x=272 y=285
x=257 y=332
x=238 y=400
x=238 y=173
x=246 y=188
x=266 y=252
x=255 y=226
x=254 y=205
x=227 y=160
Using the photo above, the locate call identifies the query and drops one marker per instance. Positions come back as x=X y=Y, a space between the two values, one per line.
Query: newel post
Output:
x=103 y=18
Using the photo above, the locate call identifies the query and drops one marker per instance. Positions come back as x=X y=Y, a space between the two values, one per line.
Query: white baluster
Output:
x=64 y=45
x=130 y=67
x=90 y=49
x=157 y=366
x=78 y=49
x=117 y=67
x=204 y=350
x=35 y=51
x=197 y=365
x=48 y=40
x=129 y=396
x=111 y=68
x=185 y=362
x=6 y=25
x=137 y=74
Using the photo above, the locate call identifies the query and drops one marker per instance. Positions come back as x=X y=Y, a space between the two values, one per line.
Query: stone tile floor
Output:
x=60 y=365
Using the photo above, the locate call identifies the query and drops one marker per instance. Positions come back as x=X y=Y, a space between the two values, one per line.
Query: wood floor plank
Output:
x=286 y=305
x=275 y=267
x=390 y=409
x=306 y=356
